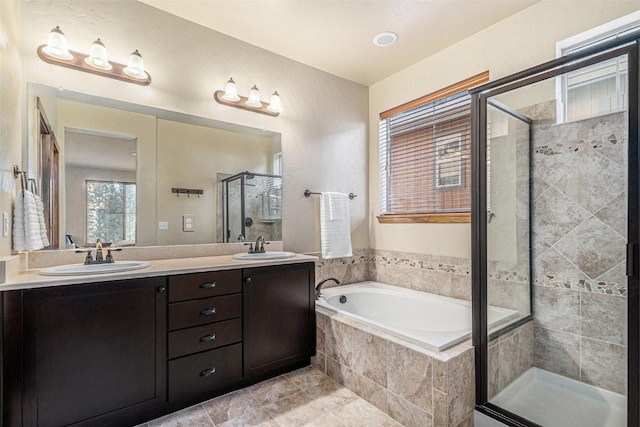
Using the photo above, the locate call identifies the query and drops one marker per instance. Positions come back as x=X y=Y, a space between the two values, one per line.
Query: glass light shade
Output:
x=135 y=68
x=231 y=91
x=254 y=98
x=98 y=56
x=57 y=45
x=275 y=106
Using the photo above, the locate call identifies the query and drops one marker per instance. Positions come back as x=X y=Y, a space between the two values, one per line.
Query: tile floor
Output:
x=305 y=397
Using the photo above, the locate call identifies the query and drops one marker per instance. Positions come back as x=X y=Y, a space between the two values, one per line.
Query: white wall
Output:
x=11 y=103
x=518 y=42
x=323 y=127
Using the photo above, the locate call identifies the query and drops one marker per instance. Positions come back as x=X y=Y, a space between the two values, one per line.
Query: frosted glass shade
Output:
x=98 y=56
x=231 y=91
x=57 y=45
x=275 y=105
x=254 y=98
x=135 y=67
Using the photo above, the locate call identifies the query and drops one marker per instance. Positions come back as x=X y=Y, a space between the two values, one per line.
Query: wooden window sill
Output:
x=442 y=218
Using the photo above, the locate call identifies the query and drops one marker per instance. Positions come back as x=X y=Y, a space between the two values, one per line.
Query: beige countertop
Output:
x=30 y=279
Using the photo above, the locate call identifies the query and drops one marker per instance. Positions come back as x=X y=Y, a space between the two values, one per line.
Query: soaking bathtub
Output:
x=434 y=321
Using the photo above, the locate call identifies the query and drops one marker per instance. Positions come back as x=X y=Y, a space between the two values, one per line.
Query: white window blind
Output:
x=425 y=158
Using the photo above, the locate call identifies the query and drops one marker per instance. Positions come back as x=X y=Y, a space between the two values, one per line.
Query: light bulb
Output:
x=275 y=106
x=135 y=68
x=57 y=45
x=254 y=98
x=231 y=91
x=98 y=56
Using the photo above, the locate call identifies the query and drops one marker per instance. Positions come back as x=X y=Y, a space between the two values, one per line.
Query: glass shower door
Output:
x=557 y=198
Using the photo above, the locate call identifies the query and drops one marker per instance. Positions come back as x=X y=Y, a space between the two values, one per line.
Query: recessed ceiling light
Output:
x=386 y=38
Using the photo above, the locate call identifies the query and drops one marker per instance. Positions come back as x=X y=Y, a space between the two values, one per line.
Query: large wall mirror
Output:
x=133 y=175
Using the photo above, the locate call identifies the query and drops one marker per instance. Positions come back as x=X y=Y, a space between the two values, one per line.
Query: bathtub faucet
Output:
x=319 y=285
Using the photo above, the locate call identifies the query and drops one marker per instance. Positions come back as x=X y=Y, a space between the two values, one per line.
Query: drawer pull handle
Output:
x=208 y=311
x=208 y=338
x=208 y=285
x=208 y=372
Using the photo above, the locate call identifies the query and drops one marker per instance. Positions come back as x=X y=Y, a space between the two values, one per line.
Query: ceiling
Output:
x=336 y=36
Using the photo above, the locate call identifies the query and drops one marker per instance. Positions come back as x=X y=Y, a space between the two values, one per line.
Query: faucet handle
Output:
x=250 y=247
x=88 y=259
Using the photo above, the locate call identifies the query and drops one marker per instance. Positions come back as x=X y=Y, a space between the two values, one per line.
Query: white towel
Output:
x=27 y=227
x=335 y=225
x=42 y=225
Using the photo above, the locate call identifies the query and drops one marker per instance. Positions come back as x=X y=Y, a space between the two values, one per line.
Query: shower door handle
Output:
x=632 y=253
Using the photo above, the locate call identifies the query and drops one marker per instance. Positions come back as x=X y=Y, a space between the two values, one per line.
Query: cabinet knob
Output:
x=161 y=289
x=208 y=311
x=208 y=285
x=208 y=372
x=247 y=280
x=208 y=338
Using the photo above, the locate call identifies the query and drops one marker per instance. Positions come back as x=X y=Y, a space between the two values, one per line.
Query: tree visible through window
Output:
x=111 y=211
x=425 y=165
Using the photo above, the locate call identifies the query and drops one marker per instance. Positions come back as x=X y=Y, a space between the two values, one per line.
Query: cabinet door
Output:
x=95 y=354
x=278 y=318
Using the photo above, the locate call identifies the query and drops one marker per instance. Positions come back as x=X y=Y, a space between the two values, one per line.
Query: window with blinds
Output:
x=425 y=164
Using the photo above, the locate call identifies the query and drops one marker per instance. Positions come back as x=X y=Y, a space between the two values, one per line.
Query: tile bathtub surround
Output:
x=356 y=268
x=442 y=275
x=415 y=386
x=305 y=397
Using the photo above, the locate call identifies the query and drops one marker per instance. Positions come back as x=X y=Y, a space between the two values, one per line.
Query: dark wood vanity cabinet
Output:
x=205 y=334
x=279 y=317
x=123 y=352
x=91 y=354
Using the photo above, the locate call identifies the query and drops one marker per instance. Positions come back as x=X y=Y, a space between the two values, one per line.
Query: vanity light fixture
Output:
x=97 y=62
x=229 y=97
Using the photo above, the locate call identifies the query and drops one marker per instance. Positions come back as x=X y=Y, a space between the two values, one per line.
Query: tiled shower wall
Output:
x=579 y=225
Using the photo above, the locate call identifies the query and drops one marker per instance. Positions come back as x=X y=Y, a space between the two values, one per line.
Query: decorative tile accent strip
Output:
x=617 y=289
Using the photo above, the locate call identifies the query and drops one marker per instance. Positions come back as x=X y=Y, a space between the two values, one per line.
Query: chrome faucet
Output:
x=319 y=285
x=99 y=259
x=259 y=246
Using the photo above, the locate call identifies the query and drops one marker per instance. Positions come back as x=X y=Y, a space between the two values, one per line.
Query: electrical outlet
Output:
x=188 y=222
x=5 y=224
x=163 y=225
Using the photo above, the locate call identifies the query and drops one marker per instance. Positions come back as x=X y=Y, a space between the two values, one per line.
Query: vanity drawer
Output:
x=204 y=372
x=207 y=337
x=202 y=285
x=203 y=311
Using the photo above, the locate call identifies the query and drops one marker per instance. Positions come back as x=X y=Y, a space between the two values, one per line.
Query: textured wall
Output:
x=11 y=102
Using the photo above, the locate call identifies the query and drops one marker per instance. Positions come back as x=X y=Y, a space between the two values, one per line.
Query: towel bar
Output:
x=308 y=193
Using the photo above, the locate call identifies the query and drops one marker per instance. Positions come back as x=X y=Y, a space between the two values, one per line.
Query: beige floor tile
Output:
x=360 y=413
x=307 y=377
x=231 y=405
x=258 y=418
x=195 y=416
x=328 y=420
x=296 y=410
x=272 y=390
x=332 y=396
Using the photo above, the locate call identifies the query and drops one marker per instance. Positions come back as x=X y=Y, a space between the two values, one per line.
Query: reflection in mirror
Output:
x=100 y=187
x=120 y=161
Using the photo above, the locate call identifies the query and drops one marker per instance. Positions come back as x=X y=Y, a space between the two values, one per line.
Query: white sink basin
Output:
x=264 y=255
x=82 y=269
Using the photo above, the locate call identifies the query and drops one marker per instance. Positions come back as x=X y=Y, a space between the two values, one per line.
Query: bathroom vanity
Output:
x=123 y=351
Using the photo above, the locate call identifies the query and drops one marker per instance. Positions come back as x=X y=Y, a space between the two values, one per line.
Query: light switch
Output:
x=5 y=224
x=163 y=225
x=188 y=222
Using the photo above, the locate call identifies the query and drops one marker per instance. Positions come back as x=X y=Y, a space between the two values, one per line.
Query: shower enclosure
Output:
x=252 y=207
x=555 y=237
